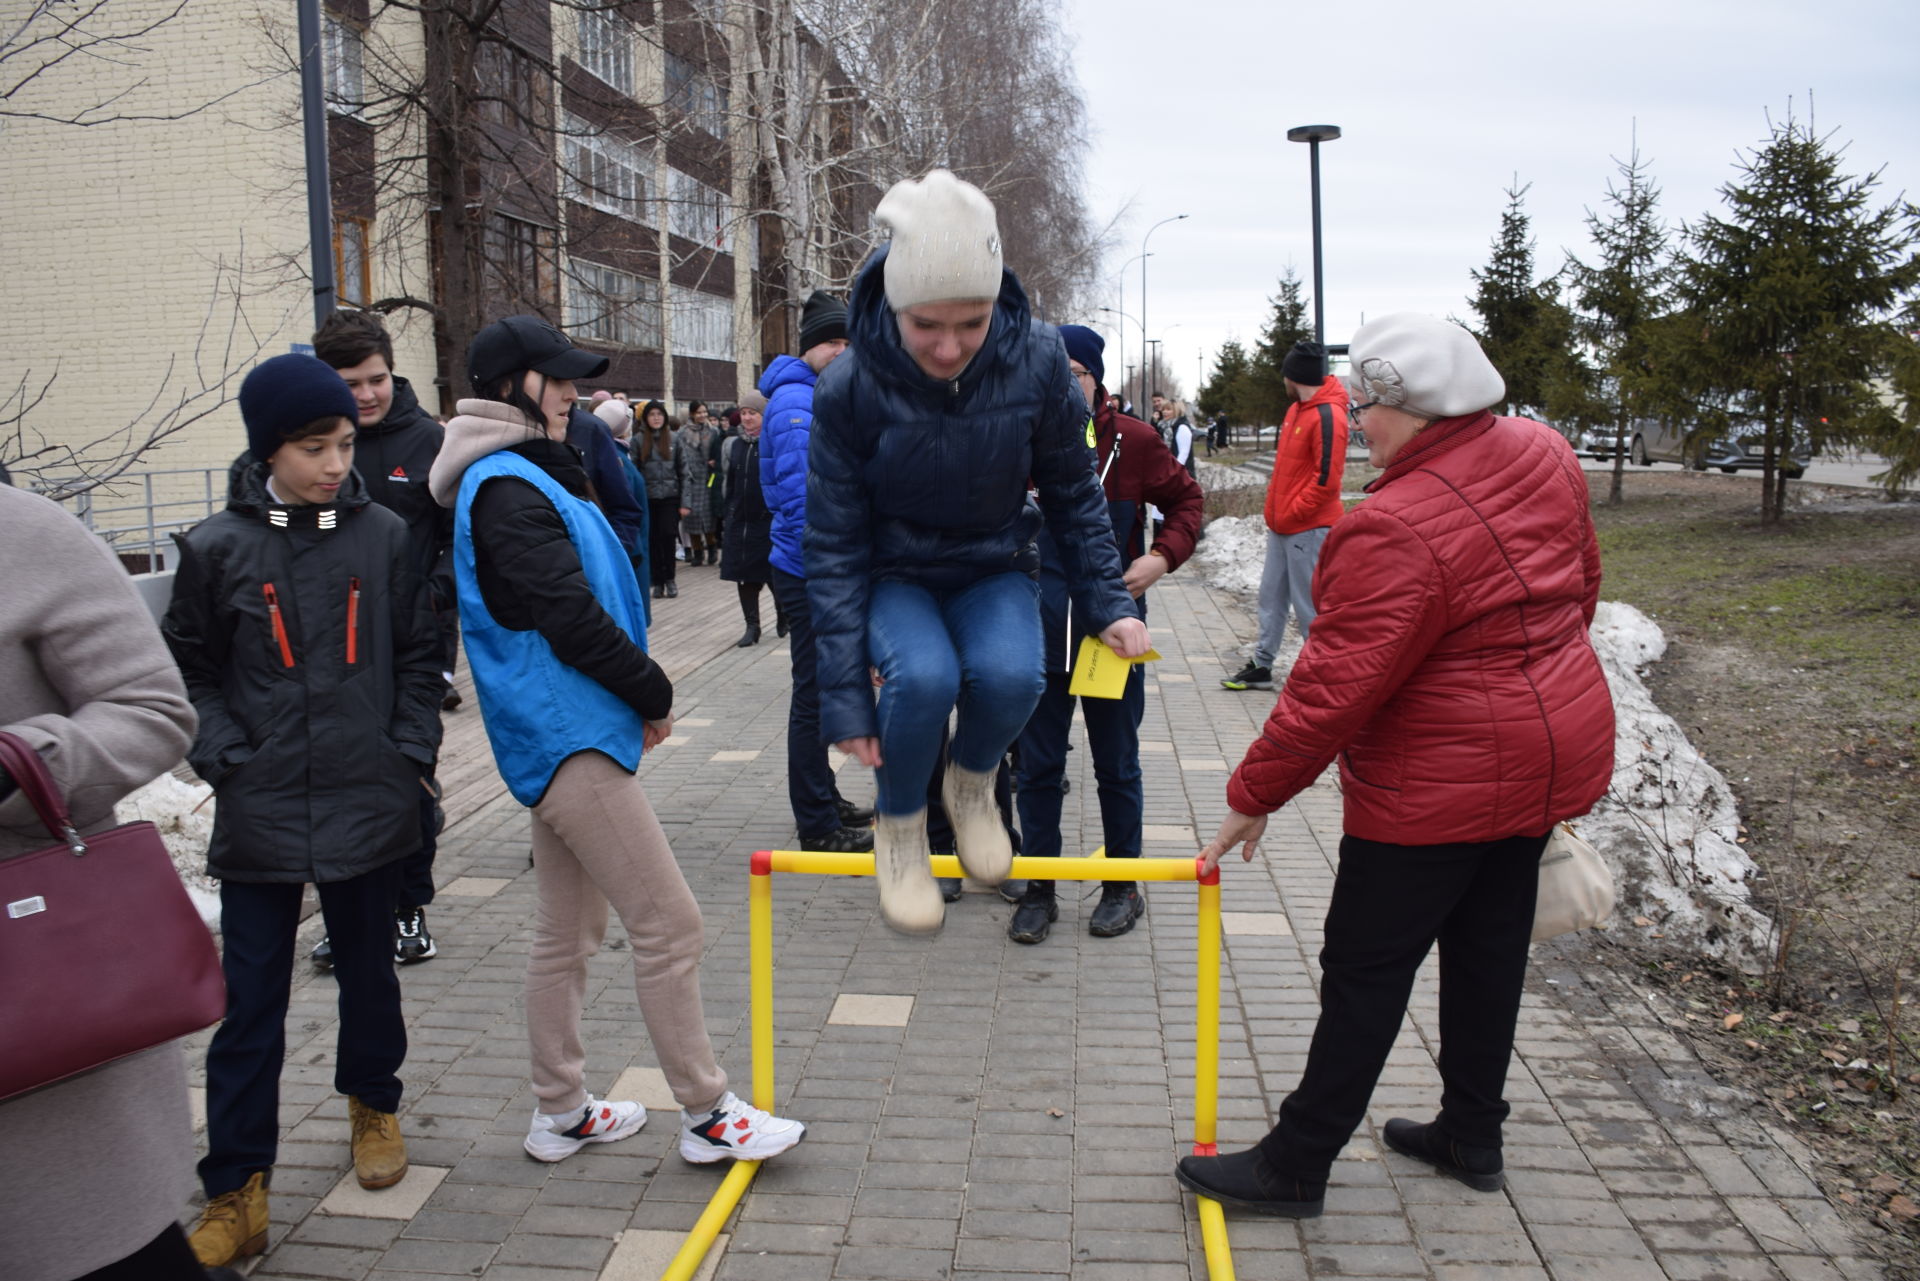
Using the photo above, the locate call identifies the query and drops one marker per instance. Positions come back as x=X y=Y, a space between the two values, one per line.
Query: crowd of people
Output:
x=947 y=504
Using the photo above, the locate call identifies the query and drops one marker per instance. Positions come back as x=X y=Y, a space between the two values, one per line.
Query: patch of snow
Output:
x=1668 y=825
x=1219 y=476
x=184 y=814
x=1232 y=554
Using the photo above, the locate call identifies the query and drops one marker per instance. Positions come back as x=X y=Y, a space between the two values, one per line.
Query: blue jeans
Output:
x=978 y=648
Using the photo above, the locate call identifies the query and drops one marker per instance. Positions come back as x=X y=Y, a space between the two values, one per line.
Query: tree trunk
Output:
x=1616 y=492
x=449 y=56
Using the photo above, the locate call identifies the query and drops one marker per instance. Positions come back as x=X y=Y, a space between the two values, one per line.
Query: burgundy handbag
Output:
x=102 y=954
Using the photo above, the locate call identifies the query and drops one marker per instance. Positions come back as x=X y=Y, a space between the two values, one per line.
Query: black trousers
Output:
x=663 y=534
x=1391 y=904
x=416 y=869
x=810 y=787
x=1113 y=736
x=167 y=1257
x=257 y=924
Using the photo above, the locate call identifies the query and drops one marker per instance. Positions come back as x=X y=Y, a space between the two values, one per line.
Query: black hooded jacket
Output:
x=310 y=653
x=393 y=457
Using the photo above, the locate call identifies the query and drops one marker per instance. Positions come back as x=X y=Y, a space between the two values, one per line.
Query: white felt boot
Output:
x=979 y=837
x=910 y=899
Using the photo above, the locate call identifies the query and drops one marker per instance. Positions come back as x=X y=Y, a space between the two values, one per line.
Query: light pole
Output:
x=1115 y=311
x=1143 y=273
x=1122 y=278
x=1152 y=359
x=1313 y=136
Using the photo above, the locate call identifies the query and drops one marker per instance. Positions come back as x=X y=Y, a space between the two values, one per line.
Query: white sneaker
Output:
x=736 y=1130
x=552 y=1138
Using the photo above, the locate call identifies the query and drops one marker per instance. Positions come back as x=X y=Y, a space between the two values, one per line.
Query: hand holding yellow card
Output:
x=1099 y=672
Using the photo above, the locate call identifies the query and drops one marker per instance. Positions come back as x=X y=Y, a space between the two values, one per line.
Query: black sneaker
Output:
x=1033 y=918
x=842 y=840
x=1479 y=1168
x=951 y=888
x=411 y=941
x=1246 y=1180
x=1249 y=677
x=852 y=815
x=1119 y=907
x=322 y=954
x=452 y=701
x=1011 y=890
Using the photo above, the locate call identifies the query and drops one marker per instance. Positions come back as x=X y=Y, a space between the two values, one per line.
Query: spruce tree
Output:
x=1287 y=324
x=1229 y=390
x=1796 y=295
x=1621 y=298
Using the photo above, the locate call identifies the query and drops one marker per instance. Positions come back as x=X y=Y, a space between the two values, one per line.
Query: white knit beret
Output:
x=946 y=241
x=1424 y=365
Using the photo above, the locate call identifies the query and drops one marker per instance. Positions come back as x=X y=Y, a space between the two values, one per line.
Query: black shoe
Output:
x=752 y=637
x=1034 y=916
x=951 y=887
x=780 y=627
x=842 y=840
x=672 y=590
x=1250 y=677
x=659 y=590
x=1119 y=907
x=1011 y=890
x=1478 y=1168
x=411 y=941
x=451 y=703
x=1246 y=1180
x=322 y=954
x=852 y=815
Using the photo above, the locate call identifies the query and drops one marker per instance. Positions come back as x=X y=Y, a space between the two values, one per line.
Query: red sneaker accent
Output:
x=741 y=1124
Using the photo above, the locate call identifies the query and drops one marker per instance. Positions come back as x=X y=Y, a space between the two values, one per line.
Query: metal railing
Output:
x=137 y=513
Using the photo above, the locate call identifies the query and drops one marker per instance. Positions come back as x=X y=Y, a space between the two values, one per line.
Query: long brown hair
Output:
x=643 y=435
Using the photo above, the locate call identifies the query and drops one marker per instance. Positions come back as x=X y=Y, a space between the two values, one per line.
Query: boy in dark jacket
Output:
x=310 y=654
x=395 y=448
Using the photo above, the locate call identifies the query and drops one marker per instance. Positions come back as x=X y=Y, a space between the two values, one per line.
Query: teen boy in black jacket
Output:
x=310 y=654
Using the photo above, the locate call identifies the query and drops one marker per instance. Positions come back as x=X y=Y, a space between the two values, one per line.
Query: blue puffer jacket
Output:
x=786 y=426
x=926 y=482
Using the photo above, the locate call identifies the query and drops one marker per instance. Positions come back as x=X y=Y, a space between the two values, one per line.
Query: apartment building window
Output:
x=698 y=212
x=702 y=324
x=714 y=11
x=612 y=306
x=343 y=65
x=507 y=84
x=521 y=255
x=353 y=259
x=606 y=48
x=696 y=96
x=604 y=171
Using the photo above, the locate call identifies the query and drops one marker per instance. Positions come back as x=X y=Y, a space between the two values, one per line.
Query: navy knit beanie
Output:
x=286 y=393
x=1086 y=347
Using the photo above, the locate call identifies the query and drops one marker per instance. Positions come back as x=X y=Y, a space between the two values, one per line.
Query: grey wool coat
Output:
x=94 y=1167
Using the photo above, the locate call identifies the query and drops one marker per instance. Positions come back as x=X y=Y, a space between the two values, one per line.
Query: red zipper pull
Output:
x=279 y=625
x=353 y=621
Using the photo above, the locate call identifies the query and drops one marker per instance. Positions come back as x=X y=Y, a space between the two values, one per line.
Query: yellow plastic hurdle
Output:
x=1206 y=1076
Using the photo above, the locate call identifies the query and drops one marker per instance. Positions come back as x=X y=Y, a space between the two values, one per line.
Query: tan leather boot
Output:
x=232 y=1225
x=379 y=1153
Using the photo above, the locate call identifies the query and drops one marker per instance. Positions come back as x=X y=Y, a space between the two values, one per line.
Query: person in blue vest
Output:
x=555 y=625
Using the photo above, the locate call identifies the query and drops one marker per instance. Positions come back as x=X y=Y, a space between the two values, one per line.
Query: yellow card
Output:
x=1099 y=672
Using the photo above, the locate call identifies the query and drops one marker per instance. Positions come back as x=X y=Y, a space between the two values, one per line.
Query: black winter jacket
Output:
x=926 y=482
x=309 y=650
x=600 y=456
x=393 y=457
x=746 y=540
x=531 y=579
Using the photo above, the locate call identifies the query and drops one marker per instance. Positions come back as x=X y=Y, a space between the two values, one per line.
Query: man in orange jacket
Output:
x=1303 y=501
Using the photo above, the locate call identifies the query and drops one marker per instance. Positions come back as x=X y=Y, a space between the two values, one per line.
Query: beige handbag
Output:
x=1576 y=888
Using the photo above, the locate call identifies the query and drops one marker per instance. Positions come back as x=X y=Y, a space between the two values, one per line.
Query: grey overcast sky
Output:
x=1441 y=105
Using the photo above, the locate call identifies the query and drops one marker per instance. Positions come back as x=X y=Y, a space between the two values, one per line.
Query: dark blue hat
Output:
x=286 y=393
x=1086 y=347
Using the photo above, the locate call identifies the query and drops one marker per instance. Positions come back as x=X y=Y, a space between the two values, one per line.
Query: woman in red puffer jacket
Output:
x=1450 y=674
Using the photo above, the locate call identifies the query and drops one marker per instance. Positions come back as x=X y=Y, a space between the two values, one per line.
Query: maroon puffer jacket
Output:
x=1449 y=667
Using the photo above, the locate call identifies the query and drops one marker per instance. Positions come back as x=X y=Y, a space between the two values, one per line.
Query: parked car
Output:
x=1657 y=440
x=1596 y=442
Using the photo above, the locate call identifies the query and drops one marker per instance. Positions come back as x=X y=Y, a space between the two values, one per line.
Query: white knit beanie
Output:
x=1427 y=366
x=946 y=241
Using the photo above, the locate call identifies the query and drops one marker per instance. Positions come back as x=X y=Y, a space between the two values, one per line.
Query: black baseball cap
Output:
x=527 y=342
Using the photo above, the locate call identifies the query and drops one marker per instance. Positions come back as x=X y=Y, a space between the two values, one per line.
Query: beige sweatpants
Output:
x=596 y=841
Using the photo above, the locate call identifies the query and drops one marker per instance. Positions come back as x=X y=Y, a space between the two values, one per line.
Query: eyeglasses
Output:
x=1354 y=412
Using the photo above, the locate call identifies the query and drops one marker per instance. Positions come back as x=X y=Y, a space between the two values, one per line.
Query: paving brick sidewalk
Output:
x=1012 y=1111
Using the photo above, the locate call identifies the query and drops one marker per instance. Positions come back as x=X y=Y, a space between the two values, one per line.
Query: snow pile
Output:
x=1218 y=476
x=1230 y=557
x=1668 y=823
x=184 y=814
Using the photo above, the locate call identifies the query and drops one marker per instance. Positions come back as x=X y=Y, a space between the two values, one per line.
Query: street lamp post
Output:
x=313 y=113
x=1313 y=136
x=1152 y=360
x=1143 y=273
x=1119 y=311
